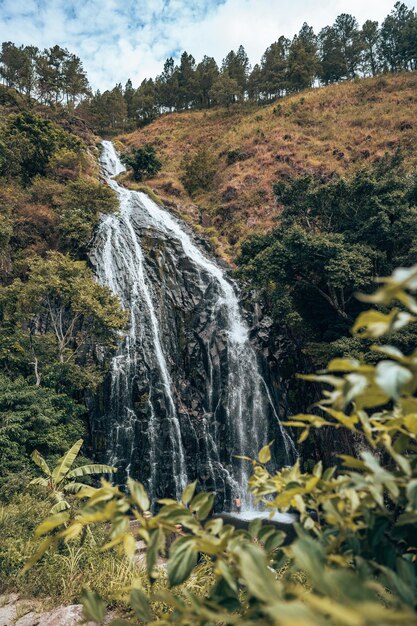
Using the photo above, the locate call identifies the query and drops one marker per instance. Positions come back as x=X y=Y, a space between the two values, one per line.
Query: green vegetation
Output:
x=33 y=417
x=53 y=313
x=28 y=143
x=199 y=170
x=353 y=561
x=333 y=239
x=52 y=76
x=59 y=482
x=143 y=161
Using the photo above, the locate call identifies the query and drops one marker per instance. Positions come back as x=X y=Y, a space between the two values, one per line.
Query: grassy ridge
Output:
x=326 y=131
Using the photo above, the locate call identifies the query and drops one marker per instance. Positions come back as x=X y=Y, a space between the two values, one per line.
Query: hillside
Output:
x=332 y=130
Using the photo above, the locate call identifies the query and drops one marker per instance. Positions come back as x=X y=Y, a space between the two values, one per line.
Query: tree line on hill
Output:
x=53 y=76
x=342 y=51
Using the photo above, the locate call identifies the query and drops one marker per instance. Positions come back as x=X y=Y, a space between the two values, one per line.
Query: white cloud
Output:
x=118 y=39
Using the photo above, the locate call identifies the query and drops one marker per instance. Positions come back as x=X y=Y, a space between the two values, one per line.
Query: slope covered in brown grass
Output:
x=326 y=131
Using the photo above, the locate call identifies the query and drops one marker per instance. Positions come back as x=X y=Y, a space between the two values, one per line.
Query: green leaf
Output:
x=188 y=493
x=156 y=543
x=275 y=540
x=138 y=493
x=94 y=607
x=202 y=504
x=206 y=508
x=43 y=482
x=182 y=560
x=76 y=488
x=40 y=462
x=254 y=527
x=87 y=470
x=60 y=506
x=391 y=377
x=51 y=523
x=265 y=454
x=140 y=604
x=254 y=571
x=64 y=463
x=214 y=526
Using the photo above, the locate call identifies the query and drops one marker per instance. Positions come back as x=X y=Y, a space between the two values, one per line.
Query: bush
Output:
x=143 y=161
x=233 y=156
x=33 y=417
x=199 y=171
x=27 y=143
x=82 y=204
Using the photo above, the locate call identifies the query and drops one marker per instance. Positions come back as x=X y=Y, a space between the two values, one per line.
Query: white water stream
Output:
x=120 y=263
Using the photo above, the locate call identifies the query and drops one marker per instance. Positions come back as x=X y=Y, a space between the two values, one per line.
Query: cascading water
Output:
x=185 y=393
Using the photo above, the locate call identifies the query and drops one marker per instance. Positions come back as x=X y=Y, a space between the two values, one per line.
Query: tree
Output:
x=397 y=46
x=370 y=41
x=333 y=239
x=17 y=66
x=29 y=143
x=108 y=110
x=61 y=300
x=33 y=417
x=74 y=79
x=143 y=161
x=347 y=30
x=207 y=72
x=167 y=85
x=255 y=85
x=145 y=102
x=59 y=482
x=82 y=203
x=199 y=170
x=129 y=97
x=50 y=71
x=274 y=68
x=236 y=66
x=187 y=83
x=303 y=62
x=224 y=91
x=332 y=62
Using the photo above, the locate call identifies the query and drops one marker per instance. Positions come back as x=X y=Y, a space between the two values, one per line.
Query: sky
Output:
x=121 y=39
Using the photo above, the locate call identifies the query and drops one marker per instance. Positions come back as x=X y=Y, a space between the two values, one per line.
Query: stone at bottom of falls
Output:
x=15 y=611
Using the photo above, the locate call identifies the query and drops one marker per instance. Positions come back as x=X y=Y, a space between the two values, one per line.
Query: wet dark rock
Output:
x=132 y=421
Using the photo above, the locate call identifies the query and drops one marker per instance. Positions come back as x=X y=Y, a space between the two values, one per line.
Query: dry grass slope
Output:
x=334 y=129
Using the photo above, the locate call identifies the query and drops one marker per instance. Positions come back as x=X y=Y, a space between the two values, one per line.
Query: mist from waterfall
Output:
x=185 y=393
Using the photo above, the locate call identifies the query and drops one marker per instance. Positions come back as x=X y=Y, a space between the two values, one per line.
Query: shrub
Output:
x=199 y=170
x=27 y=142
x=143 y=161
x=233 y=156
x=82 y=204
x=33 y=417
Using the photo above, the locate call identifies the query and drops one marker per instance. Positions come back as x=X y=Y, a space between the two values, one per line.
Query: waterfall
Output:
x=185 y=393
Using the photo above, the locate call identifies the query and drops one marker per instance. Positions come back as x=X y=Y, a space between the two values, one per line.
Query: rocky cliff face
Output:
x=188 y=389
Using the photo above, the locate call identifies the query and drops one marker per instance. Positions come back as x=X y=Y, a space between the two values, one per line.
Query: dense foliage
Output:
x=143 y=161
x=33 y=417
x=199 y=170
x=28 y=143
x=334 y=238
x=52 y=76
x=53 y=313
x=353 y=560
